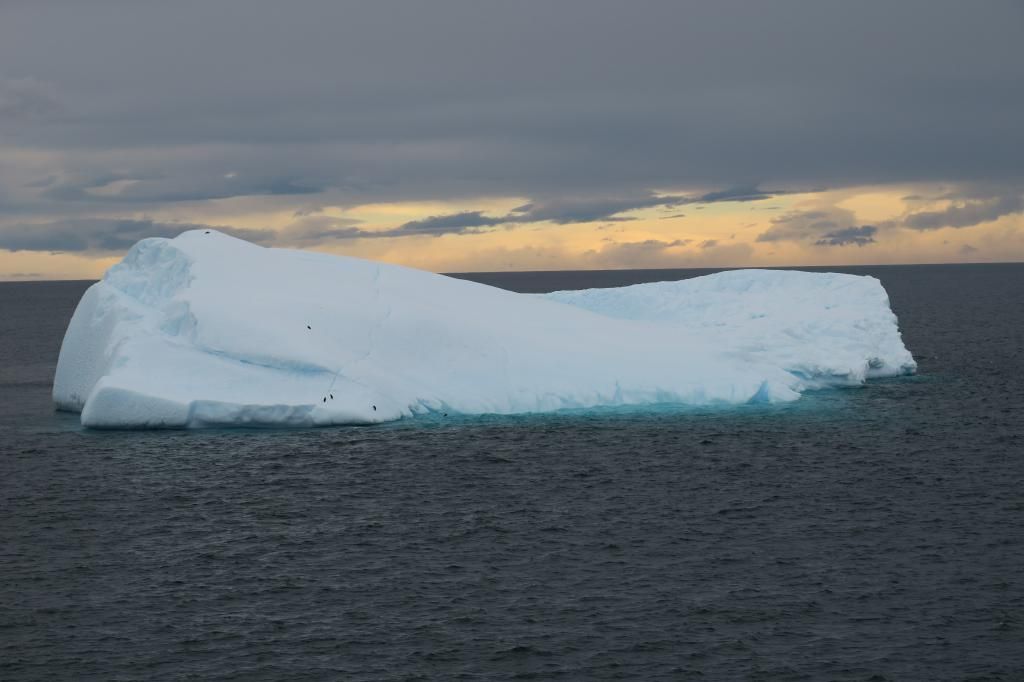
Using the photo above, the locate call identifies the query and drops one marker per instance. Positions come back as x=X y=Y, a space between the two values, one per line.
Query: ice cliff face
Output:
x=205 y=330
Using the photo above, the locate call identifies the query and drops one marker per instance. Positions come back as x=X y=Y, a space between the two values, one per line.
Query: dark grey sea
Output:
x=860 y=534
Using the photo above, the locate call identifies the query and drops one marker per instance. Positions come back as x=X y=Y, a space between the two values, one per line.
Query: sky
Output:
x=477 y=135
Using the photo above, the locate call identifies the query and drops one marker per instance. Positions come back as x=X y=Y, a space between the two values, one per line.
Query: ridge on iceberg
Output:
x=209 y=330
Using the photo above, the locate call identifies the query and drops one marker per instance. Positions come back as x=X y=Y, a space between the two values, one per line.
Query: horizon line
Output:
x=31 y=280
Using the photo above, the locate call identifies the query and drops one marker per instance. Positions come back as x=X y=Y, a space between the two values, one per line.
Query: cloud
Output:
x=560 y=211
x=23 y=99
x=314 y=228
x=828 y=226
x=557 y=210
x=679 y=106
x=677 y=118
x=41 y=183
x=641 y=254
x=966 y=213
x=804 y=225
x=113 y=188
x=564 y=211
x=649 y=253
x=105 y=235
x=655 y=253
x=967 y=250
x=452 y=223
x=741 y=193
x=865 y=234
x=574 y=209
x=973 y=204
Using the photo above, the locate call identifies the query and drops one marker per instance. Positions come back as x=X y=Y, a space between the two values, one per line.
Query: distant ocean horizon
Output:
x=625 y=274
x=865 y=533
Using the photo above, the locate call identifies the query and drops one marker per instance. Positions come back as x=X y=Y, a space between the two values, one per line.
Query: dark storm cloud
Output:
x=102 y=234
x=457 y=99
x=860 y=236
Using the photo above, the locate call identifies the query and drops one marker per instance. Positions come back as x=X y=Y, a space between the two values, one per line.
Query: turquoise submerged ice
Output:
x=208 y=330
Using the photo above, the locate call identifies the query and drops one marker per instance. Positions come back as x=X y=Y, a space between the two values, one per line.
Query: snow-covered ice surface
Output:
x=208 y=330
x=825 y=328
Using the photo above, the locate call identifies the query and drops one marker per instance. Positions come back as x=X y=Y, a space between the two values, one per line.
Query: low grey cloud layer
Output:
x=395 y=99
x=110 y=107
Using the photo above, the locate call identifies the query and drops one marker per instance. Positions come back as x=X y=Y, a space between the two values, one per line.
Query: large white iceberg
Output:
x=205 y=330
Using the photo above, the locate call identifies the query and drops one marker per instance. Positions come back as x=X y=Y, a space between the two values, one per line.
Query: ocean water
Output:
x=860 y=534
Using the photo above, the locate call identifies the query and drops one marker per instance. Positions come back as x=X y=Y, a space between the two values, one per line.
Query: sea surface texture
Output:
x=874 y=533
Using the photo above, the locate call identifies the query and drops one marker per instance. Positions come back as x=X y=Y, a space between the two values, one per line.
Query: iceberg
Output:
x=208 y=330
